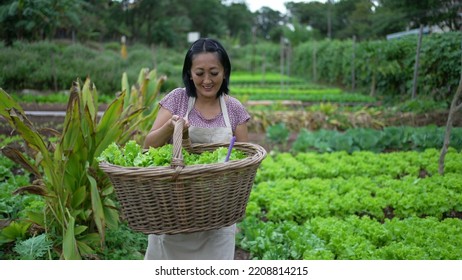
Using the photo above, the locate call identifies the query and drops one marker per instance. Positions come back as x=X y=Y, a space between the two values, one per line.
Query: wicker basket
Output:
x=183 y=199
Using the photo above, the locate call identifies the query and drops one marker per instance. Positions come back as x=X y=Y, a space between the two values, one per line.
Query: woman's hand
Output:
x=174 y=119
x=162 y=129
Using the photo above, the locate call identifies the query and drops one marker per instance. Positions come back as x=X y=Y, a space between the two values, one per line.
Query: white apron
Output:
x=206 y=245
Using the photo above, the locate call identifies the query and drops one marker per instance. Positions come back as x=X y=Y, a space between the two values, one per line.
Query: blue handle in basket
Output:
x=230 y=148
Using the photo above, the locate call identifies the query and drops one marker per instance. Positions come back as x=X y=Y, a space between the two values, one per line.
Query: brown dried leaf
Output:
x=32 y=189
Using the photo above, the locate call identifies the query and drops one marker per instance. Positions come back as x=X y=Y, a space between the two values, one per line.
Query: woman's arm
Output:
x=161 y=130
x=241 y=133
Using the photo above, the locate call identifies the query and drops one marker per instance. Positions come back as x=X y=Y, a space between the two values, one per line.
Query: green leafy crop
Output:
x=133 y=155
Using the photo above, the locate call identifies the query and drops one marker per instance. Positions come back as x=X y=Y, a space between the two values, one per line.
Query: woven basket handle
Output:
x=177 y=157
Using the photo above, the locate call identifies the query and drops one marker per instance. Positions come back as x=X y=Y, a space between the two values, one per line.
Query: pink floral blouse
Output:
x=177 y=103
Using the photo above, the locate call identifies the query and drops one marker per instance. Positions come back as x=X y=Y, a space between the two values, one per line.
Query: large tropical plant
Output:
x=143 y=94
x=79 y=198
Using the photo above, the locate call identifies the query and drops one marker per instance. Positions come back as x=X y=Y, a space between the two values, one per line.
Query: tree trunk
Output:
x=447 y=136
x=452 y=111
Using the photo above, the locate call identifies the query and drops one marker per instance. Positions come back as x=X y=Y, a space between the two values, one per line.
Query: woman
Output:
x=211 y=115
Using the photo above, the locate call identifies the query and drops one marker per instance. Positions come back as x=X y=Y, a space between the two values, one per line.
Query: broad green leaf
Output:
x=88 y=98
x=74 y=171
x=84 y=249
x=108 y=190
x=97 y=207
x=72 y=127
x=151 y=90
x=78 y=197
x=79 y=229
x=15 y=230
x=91 y=238
x=28 y=132
x=36 y=217
x=142 y=76
x=70 y=250
x=7 y=103
x=108 y=122
x=36 y=142
x=135 y=98
x=74 y=101
x=154 y=89
x=89 y=133
x=111 y=213
x=144 y=86
x=146 y=122
x=133 y=127
x=125 y=88
x=115 y=134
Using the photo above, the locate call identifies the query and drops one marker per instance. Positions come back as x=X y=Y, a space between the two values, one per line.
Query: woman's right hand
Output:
x=162 y=129
x=174 y=119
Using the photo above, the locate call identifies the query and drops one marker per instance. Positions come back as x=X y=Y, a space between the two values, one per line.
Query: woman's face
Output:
x=207 y=74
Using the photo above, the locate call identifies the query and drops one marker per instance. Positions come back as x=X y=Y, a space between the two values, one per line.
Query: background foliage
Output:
x=383 y=68
x=168 y=21
x=390 y=63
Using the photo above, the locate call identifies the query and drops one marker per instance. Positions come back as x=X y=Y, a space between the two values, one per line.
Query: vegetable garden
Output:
x=346 y=177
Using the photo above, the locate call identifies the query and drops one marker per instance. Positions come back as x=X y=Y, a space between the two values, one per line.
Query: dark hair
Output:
x=206 y=45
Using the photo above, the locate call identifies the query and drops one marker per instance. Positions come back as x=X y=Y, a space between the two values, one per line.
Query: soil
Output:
x=431 y=118
x=241 y=254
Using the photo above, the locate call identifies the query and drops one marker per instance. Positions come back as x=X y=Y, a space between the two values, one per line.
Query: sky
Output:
x=277 y=5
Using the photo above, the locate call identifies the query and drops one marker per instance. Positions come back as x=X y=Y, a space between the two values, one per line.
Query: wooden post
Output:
x=315 y=78
x=373 y=83
x=154 y=56
x=288 y=58
x=353 y=56
x=123 y=48
x=53 y=71
x=282 y=62
x=263 y=69
x=254 y=49
x=329 y=19
x=416 y=65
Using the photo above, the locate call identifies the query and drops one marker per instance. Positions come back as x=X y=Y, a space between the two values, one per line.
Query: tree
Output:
x=386 y=21
x=240 y=22
x=359 y=18
x=443 y=13
x=297 y=33
x=268 y=23
x=35 y=20
x=450 y=15
x=207 y=17
x=115 y=19
x=313 y=14
x=158 y=22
